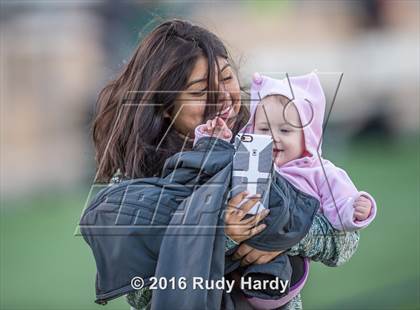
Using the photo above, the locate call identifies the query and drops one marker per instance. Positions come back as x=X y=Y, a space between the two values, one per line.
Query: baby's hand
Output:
x=362 y=207
x=217 y=128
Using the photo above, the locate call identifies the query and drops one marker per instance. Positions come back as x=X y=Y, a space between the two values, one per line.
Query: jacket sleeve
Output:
x=338 y=193
x=325 y=244
x=140 y=299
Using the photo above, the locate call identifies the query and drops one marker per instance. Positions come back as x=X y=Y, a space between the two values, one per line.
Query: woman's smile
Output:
x=226 y=112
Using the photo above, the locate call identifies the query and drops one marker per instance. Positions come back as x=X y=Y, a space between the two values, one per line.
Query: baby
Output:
x=292 y=112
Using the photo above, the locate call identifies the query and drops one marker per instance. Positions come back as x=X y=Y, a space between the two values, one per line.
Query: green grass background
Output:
x=44 y=266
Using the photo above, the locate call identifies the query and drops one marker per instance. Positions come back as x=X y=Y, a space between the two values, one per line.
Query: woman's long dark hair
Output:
x=130 y=122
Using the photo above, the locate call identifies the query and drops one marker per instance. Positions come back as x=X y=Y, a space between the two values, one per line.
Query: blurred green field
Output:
x=44 y=266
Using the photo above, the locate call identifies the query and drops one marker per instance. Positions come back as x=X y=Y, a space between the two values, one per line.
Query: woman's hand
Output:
x=249 y=255
x=236 y=227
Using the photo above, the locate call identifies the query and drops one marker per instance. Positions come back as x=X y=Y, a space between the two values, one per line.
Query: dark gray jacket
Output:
x=173 y=227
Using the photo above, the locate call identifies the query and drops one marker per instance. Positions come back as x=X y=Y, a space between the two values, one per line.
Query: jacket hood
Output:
x=306 y=93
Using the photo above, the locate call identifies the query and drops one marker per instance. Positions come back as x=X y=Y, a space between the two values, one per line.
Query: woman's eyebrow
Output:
x=205 y=79
x=224 y=67
x=196 y=81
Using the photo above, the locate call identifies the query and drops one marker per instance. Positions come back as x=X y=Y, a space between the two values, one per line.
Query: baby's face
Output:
x=288 y=139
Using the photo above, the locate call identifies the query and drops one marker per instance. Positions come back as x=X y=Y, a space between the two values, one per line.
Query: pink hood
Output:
x=308 y=97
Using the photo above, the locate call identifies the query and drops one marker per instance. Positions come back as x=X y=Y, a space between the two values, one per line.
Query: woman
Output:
x=179 y=76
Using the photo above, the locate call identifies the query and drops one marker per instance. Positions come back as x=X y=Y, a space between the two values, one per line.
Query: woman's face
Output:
x=190 y=105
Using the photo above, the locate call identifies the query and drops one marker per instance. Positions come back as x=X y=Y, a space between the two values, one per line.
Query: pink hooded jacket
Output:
x=311 y=174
